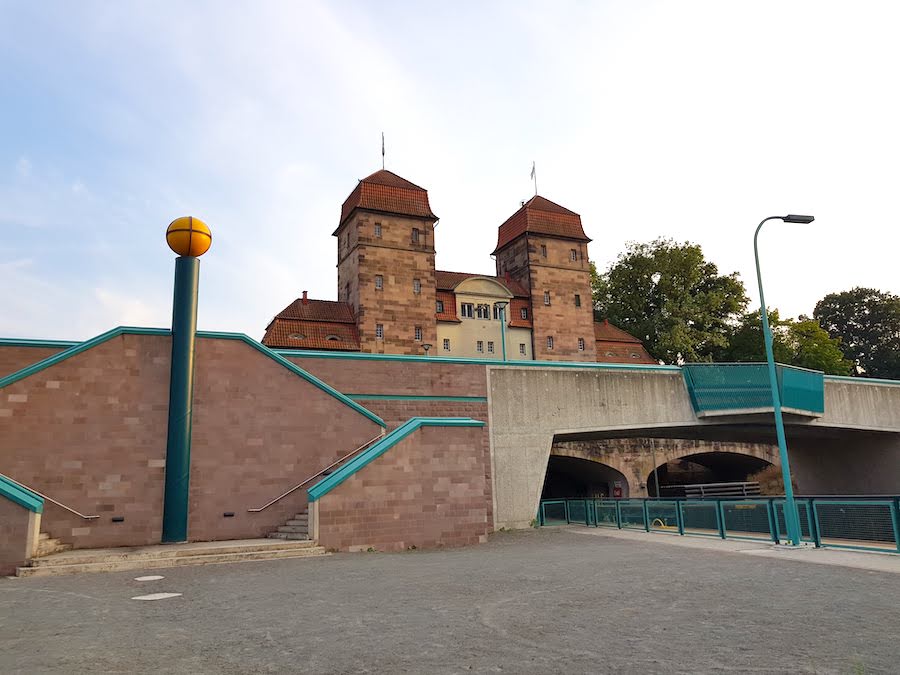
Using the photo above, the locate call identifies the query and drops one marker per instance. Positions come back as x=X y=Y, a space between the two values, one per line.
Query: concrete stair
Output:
x=297 y=528
x=48 y=546
x=167 y=555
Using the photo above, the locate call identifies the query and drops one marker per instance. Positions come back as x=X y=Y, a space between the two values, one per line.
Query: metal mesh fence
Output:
x=554 y=513
x=747 y=519
x=578 y=511
x=851 y=523
x=632 y=515
x=606 y=514
x=663 y=516
x=700 y=518
x=805 y=513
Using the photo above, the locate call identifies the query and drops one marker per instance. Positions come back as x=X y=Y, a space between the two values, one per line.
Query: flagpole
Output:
x=382 y=149
x=534 y=176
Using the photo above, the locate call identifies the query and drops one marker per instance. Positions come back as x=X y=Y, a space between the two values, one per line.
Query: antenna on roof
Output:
x=534 y=177
x=382 y=150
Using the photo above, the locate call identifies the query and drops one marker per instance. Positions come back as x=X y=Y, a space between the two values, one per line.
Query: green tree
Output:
x=802 y=343
x=867 y=321
x=668 y=295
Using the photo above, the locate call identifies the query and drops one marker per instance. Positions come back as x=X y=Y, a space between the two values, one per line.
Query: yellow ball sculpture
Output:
x=189 y=236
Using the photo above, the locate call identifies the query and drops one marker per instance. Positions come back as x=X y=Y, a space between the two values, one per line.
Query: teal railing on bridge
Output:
x=723 y=388
x=867 y=523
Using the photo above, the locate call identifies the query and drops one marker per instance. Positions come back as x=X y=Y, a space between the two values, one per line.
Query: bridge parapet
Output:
x=744 y=388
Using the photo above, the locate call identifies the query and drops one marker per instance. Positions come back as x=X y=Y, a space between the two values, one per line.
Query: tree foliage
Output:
x=802 y=343
x=668 y=295
x=867 y=321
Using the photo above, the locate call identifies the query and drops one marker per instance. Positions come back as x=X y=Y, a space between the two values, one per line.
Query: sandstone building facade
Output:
x=392 y=300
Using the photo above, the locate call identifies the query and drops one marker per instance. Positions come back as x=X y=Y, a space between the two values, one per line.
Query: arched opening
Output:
x=572 y=477
x=705 y=467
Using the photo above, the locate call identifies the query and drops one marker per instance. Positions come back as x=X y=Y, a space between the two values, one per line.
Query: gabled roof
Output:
x=606 y=332
x=449 y=313
x=448 y=281
x=387 y=192
x=541 y=216
x=318 y=310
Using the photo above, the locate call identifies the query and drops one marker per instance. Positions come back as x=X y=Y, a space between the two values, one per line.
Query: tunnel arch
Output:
x=576 y=478
x=704 y=467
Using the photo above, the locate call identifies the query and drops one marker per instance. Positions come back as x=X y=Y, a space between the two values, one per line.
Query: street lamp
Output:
x=502 y=307
x=426 y=347
x=791 y=517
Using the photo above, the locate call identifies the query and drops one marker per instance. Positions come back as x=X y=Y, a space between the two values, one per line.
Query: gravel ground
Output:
x=544 y=601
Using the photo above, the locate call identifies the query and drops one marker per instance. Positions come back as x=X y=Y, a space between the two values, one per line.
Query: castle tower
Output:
x=386 y=264
x=544 y=248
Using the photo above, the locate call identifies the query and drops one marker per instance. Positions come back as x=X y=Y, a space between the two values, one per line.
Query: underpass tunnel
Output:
x=707 y=467
x=571 y=477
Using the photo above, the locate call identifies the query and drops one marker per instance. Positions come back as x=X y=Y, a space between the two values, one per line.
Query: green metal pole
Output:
x=791 y=516
x=503 y=330
x=181 y=386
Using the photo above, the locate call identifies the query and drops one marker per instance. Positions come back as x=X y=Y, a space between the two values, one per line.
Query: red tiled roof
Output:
x=604 y=330
x=318 y=310
x=516 y=305
x=387 y=192
x=448 y=281
x=449 y=313
x=541 y=216
x=301 y=334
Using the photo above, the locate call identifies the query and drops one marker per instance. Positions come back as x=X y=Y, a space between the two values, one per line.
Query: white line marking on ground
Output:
x=156 y=596
x=151 y=577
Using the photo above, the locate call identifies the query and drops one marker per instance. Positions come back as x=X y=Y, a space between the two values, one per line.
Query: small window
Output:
x=333 y=338
x=546 y=297
x=573 y=255
x=379 y=282
x=479 y=346
x=634 y=355
x=297 y=336
x=524 y=312
x=581 y=344
x=439 y=306
x=543 y=250
x=446 y=344
x=418 y=333
x=379 y=331
x=415 y=235
x=577 y=300
x=467 y=309
x=378 y=230
x=417 y=286
x=521 y=347
x=483 y=311
x=490 y=347
x=498 y=312
x=549 y=342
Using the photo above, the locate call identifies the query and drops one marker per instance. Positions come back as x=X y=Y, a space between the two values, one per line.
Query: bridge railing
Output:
x=853 y=522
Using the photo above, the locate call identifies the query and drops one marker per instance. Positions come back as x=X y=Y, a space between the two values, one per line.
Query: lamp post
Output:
x=791 y=517
x=426 y=347
x=502 y=307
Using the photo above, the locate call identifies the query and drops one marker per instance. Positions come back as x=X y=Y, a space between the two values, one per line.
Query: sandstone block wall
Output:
x=18 y=533
x=13 y=359
x=427 y=491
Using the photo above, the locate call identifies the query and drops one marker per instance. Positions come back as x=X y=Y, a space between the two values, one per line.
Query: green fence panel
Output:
x=606 y=514
x=631 y=515
x=807 y=527
x=747 y=519
x=578 y=511
x=700 y=517
x=663 y=516
x=856 y=524
x=723 y=387
x=554 y=512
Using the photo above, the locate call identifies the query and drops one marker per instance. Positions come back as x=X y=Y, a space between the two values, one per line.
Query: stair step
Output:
x=43 y=535
x=147 y=554
x=299 y=536
x=264 y=553
x=297 y=521
x=45 y=549
x=302 y=516
x=293 y=528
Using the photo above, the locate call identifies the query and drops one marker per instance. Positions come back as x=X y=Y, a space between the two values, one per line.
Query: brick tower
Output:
x=544 y=248
x=386 y=264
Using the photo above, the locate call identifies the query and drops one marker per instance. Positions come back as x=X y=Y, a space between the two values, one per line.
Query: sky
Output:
x=689 y=120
